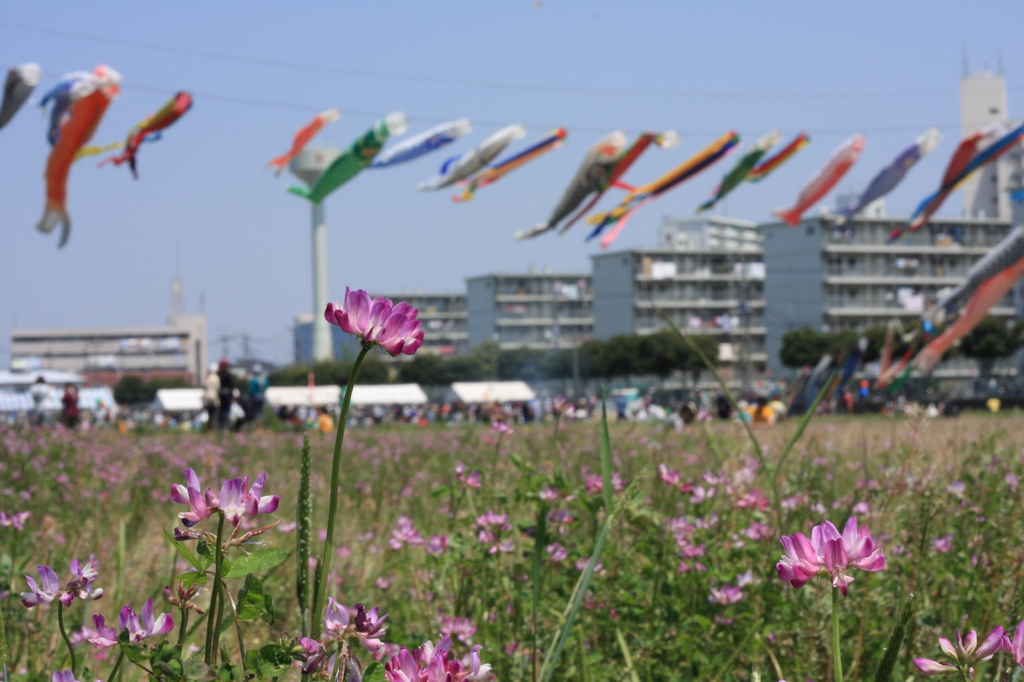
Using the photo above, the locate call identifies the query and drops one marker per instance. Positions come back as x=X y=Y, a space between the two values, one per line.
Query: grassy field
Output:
x=417 y=537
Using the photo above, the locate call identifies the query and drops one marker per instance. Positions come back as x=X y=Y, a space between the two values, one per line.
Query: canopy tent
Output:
x=51 y=376
x=489 y=391
x=178 y=400
x=16 y=402
x=388 y=394
x=303 y=396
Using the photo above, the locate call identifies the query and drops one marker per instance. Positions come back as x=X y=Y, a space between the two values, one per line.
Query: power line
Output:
x=472 y=83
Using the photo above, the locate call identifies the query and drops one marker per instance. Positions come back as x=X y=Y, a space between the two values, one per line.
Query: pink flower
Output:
x=725 y=595
x=45 y=591
x=460 y=627
x=800 y=562
x=147 y=627
x=437 y=545
x=753 y=500
x=943 y=544
x=1016 y=647
x=234 y=500
x=501 y=428
x=548 y=494
x=470 y=480
x=668 y=476
x=377 y=322
x=557 y=552
x=966 y=652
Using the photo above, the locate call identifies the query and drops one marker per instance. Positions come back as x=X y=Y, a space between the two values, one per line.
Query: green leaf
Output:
x=253 y=603
x=185 y=552
x=374 y=672
x=206 y=554
x=197 y=671
x=257 y=562
x=606 y=457
x=189 y=579
x=133 y=651
x=440 y=491
x=168 y=672
x=273 y=661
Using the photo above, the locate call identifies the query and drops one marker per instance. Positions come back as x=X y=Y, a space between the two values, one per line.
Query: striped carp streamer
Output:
x=492 y=174
x=641 y=196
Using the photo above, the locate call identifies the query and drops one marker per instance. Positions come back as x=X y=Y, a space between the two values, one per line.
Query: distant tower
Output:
x=983 y=101
x=177 y=303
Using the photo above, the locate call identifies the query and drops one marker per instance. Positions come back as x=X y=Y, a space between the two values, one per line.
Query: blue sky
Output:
x=260 y=70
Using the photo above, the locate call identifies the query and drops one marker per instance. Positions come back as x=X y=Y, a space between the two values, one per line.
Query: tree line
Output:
x=661 y=354
x=990 y=340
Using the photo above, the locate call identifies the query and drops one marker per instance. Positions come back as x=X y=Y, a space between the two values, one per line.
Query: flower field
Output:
x=481 y=537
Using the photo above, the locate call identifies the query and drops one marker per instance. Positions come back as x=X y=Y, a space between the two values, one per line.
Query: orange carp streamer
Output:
x=302 y=138
x=90 y=100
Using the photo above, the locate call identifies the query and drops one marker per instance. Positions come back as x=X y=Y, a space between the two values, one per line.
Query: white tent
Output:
x=388 y=394
x=53 y=377
x=490 y=391
x=178 y=400
x=303 y=396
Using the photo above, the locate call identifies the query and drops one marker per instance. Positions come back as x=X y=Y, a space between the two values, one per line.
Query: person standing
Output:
x=70 y=413
x=257 y=388
x=40 y=390
x=211 y=397
x=226 y=392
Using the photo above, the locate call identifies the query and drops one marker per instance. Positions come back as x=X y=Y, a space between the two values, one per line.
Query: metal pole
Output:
x=322 y=348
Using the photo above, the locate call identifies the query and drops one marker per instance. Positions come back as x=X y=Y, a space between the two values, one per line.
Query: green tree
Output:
x=803 y=347
x=990 y=340
x=131 y=389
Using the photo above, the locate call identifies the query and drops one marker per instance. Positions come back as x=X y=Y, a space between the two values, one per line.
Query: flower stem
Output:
x=323 y=567
x=117 y=666
x=64 y=634
x=183 y=629
x=837 y=656
x=212 y=621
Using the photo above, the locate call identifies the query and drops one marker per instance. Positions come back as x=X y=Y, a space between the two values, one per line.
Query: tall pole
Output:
x=307 y=166
x=322 y=349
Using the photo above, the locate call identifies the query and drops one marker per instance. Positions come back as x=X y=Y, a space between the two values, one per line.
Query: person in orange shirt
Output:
x=760 y=413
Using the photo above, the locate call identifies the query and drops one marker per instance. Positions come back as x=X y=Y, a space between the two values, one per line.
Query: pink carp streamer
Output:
x=826 y=178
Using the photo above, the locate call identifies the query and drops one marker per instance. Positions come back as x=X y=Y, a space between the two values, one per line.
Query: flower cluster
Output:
x=48 y=587
x=234 y=500
x=405 y=533
x=462 y=628
x=489 y=532
x=366 y=626
x=830 y=553
x=435 y=663
x=378 y=322
x=139 y=627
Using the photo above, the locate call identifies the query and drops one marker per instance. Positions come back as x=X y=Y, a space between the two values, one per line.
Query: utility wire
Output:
x=473 y=83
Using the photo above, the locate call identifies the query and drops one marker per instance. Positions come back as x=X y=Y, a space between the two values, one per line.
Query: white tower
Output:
x=983 y=101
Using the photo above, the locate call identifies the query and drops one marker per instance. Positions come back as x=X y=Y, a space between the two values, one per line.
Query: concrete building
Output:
x=530 y=310
x=444 y=327
x=105 y=354
x=828 y=277
x=707 y=274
